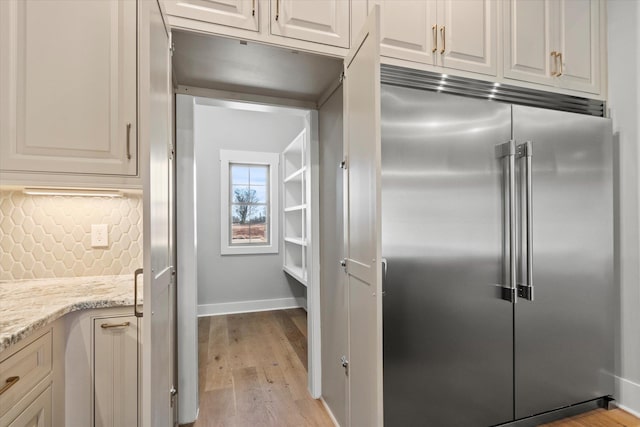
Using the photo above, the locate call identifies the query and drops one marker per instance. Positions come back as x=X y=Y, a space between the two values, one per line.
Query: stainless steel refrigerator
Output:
x=497 y=230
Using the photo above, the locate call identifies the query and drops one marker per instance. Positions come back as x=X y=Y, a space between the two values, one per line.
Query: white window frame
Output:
x=272 y=160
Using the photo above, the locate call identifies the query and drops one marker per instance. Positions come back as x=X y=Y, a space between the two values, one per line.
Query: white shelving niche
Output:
x=295 y=170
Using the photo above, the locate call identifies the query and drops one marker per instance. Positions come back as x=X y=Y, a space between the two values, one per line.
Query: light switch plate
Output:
x=99 y=236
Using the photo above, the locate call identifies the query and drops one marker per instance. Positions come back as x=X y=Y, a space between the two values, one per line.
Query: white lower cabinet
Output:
x=37 y=414
x=115 y=349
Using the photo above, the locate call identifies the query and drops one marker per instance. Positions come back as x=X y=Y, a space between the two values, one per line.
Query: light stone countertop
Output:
x=27 y=305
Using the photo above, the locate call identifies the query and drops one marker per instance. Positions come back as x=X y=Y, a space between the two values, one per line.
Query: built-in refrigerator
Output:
x=497 y=232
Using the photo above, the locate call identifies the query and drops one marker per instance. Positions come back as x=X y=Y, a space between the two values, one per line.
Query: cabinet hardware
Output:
x=135 y=292
x=114 y=325
x=559 y=57
x=10 y=382
x=277 y=9
x=434 y=29
x=253 y=6
x=444 y=40
x=554 y=71
x=129 y=141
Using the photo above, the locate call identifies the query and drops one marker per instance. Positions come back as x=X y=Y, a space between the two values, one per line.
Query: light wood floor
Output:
x=253 y=371
x=599 y=418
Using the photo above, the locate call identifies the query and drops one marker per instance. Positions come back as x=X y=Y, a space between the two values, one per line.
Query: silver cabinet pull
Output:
x=443 y=35
x=10 y=382
x=277 y=9
x=129 y=141
x=114 y=325
x=253 y=8
x=525 y=152
x=508 y=150
x=554 y=72
x=135 y=292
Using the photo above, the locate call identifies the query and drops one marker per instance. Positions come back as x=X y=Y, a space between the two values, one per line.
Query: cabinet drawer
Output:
x=37 y=414
x=23 y=370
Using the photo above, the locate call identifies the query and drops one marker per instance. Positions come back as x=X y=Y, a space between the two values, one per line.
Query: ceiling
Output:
x=225 y=64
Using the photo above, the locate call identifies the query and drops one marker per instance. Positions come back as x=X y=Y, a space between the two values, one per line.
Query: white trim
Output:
x=249 y=157
x=628 y=395
x=250 y=306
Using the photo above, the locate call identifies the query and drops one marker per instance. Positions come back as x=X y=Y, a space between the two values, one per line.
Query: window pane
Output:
x=260 y=193
x=243 y=194
x=239 y=174
x=240 y=229
x=258 y=175
x=257 y=218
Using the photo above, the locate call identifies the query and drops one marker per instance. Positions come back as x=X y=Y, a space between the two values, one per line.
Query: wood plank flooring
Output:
x=253 y=371
x=599 y=418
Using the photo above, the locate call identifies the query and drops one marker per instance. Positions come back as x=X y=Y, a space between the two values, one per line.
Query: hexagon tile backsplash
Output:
x=50 y=236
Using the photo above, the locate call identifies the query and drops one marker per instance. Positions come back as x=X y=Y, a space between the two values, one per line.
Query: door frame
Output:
x=308 y=110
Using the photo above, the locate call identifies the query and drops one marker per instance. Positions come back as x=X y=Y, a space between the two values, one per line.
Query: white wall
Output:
x=236 y=280
x=624 y=101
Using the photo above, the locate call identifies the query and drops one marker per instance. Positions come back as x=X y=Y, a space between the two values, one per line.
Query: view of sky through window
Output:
x=249 y=191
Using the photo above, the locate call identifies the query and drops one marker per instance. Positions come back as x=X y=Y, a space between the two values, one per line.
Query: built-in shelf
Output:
x=296 y=241
x=295 y=169
x=295 y=208
x=296 y=176
x=297 y=273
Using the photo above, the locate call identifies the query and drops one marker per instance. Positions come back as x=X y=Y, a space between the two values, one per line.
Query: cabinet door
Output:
x=115 y=371
x=467 y=35
x=407 y=29
x=578 y=43
x=37 y=414
x=528 y=32
x=241 y=14
x=68 y=84
x=319 y=21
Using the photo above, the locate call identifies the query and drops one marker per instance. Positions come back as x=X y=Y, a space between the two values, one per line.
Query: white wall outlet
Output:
x=99 y=236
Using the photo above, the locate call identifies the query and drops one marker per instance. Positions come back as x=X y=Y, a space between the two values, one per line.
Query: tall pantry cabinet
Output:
x=68 y=82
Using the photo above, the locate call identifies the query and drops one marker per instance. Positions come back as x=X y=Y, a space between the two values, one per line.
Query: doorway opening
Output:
x=248 y=200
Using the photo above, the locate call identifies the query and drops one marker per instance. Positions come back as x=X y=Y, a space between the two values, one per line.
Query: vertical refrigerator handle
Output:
x=524 y=151
x=507 y=151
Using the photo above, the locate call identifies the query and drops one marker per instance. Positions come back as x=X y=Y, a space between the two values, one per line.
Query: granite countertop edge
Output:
x=54 y=298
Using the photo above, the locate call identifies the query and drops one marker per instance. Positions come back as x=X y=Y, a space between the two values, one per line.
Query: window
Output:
x=249 y=202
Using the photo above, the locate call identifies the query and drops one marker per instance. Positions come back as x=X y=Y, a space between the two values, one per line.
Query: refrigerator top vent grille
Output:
x=437 y=82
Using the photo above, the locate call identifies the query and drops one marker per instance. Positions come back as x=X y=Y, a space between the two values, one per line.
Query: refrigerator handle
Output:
x=508 y=150
x=524 y=151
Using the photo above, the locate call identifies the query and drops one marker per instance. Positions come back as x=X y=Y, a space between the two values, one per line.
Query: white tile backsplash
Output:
x=50 y=236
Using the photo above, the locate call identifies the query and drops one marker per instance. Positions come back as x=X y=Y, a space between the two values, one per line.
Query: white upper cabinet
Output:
x=578 y=45
x=553 y=42
x=241 y=14
x=318 y=21
x=68 y=83
x=457 y=34
x=467 y=32
x=407 y=29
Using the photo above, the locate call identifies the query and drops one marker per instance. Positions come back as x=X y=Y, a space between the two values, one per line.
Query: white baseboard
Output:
x=628 y=396
x=250 y=306
x=326 y=407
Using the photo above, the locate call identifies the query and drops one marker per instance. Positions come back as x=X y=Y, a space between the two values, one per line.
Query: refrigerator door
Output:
x=448 y=335
x=563 y=338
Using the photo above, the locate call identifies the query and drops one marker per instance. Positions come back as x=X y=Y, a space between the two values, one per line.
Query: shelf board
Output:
x=295 y=208
x=296 y=241
x=295 y=272
x=295 y=176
